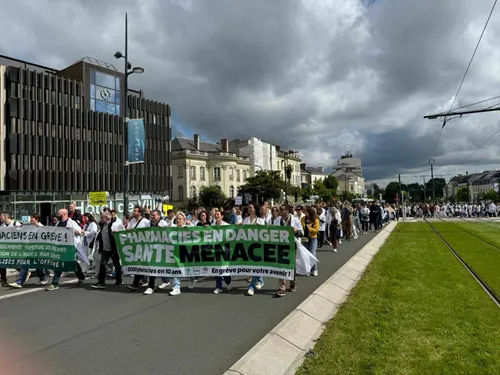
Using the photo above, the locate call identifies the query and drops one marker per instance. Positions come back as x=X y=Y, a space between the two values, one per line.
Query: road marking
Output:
x=73 y=281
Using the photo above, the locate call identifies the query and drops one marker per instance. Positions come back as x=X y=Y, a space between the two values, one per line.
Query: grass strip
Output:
x=486 y=231
x=416 y=310
x=480 y=256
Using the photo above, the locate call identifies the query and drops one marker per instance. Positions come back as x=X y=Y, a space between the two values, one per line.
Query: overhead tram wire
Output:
x=463 y=78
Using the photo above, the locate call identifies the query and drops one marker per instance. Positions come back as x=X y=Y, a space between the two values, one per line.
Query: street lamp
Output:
x=128 y=71
x=431 y=162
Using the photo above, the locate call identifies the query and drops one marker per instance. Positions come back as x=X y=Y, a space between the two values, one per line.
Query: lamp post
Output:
x=128 y=71
x=431 y=162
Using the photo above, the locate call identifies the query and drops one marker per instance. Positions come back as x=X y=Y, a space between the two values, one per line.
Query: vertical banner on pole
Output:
x=136 y=141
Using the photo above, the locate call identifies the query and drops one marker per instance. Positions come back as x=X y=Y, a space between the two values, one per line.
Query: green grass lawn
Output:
x=482 y=257
x=416 y=310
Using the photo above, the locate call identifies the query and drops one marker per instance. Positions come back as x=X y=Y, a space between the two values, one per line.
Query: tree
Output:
x=306 y=192
x=265 y=185
x=324 y=194
x=212 y=196
x=463 y=194
x=331 y=183
x=391 y=190
x=439 y=185
x=376 y=191
x=491 y=195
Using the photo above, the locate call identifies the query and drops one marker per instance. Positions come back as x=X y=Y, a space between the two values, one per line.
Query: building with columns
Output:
x=197 y=164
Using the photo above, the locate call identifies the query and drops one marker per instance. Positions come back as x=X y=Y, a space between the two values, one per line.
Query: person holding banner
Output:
x=181 y=222
x=6 y=221
x=24 y=273
x=107 y=250
x=218 y=279
x=291 y=221
x=256 y=282
x=63 y=221
x=156 y=221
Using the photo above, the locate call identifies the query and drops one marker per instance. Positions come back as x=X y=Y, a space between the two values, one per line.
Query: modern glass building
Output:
x=61 y=137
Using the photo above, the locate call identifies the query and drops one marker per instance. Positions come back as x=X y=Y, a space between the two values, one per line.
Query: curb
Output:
x=281 y=351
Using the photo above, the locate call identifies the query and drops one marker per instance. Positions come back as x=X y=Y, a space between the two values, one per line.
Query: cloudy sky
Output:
x=319 y=76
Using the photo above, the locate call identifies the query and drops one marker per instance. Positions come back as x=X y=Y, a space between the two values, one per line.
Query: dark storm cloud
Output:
x=319 y=76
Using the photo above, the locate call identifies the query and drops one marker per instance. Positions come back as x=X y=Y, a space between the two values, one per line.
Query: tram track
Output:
x=491 y=294
x=470 y=233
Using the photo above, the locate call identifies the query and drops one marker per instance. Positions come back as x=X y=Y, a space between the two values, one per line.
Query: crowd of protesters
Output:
x=315 y=226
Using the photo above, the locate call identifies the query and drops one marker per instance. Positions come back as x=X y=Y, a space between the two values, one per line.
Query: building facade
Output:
x=62 y=133
x=267 y=157
x=482 y=184
x=197 y=164
x=309 y=175
x=349 y=173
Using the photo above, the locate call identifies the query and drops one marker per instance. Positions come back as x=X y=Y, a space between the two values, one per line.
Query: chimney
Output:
x=197 y=141
x=321 y=169
x=303 y=165
x=224 y=145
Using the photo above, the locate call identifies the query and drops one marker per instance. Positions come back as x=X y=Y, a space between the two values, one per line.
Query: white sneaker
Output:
x=250 y=292
x=315 y=273
x=355 y=237
x=28 y=275
x=15 y=285
x=164 y=285
x=340 y=242
x=217 y=291
x=175 y=292
x=149 y=291
x=229 y=287
x=335 y=250
x=192 y=284
x=43 y=282
x=258 y=286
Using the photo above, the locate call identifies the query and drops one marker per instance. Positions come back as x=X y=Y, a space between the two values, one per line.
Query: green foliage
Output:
x=491 y=195
x=331 y=183
x=463 y=194
x=212 y=196
x=306 y=192
x=265 y=184
x=391 y=190
x=324 y=194
x=439 y=185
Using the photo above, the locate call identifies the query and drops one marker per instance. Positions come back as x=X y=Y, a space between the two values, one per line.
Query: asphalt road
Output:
x=81 y=331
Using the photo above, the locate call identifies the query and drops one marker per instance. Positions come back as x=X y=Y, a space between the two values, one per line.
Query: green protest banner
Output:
x=37 y=247
x=250 y=250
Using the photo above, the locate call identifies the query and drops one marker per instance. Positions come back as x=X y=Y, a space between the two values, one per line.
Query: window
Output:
x=180 y=171
x=181 y=193
x=193 y=192
x=216 y=173
x=231 y=173
x=244 y=175
x=238 y=175
x=231 y=192
x=105 y=80
x=202 y=173
x=192 y=172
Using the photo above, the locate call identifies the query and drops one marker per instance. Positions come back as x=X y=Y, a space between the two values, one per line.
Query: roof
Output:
x=179 y=144
x=355 y=162
x=312 y=170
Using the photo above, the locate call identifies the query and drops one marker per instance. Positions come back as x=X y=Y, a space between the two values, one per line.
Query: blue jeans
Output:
x=254 y=281
x=218 y=281
x=24 y=273
x=312 y=245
